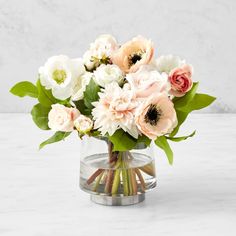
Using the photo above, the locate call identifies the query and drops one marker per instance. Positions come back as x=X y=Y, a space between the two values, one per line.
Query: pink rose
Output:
x=181 y=80
x=147 y=81
x=131 y=55
x=61 y=118
x=156 y=116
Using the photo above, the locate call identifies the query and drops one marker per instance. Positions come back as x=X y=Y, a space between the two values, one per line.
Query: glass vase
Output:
x=116 y=178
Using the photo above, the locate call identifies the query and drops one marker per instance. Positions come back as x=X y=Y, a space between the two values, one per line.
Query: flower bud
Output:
x=83 y=124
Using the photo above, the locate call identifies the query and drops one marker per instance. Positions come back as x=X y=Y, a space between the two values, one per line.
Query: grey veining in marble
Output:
x=202 y=31
x=39 y=193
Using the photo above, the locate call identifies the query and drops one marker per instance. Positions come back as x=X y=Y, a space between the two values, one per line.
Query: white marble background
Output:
x=201 y=31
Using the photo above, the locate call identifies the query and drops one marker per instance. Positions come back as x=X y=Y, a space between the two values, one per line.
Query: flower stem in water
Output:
x=125 y=179
x=141 y=180
x=98 y=181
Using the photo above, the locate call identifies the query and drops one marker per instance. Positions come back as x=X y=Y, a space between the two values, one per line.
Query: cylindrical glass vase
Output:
x=116 y=178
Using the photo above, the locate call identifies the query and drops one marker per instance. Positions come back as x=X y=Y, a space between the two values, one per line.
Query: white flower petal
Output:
x=168 y=63
x=101 y=48
x=115 y=109
x=80 y=86
x=62 y=93
x=59 y=73
x=106 y=74
x=77 y=67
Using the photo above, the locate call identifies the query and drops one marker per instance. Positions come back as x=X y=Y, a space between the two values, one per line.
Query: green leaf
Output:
x=24 y=88
x=142 y=142
x=144 y=139
x=40 y=116
x=45 y=96
x=122 y=141
x=178 y=139
x=82 y=108
x=199 y=101
x=58 y=136
x=183 y=101
x=162 y=143
x=91 y=94
x=181 y=117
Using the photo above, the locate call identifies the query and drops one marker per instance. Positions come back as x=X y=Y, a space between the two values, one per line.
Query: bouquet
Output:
x=121 y=94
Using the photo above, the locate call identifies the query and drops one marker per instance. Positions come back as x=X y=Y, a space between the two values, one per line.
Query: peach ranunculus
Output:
x=131 y=55
x=147 y=81
x=156 y=116
x=61 y=118
x=181 y=80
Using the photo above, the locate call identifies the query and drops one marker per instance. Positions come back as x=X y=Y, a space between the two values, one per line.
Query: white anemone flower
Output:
x=59 y=74
x=79 y=86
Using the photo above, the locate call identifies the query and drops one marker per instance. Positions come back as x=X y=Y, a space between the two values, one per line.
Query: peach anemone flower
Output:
x=156 y=116
x=131 y=55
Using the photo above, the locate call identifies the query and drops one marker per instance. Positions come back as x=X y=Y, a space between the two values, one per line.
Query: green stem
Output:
x=125 y=179
x=116 y=182
x=98 y=181
x=130 y=182
x=134 y=182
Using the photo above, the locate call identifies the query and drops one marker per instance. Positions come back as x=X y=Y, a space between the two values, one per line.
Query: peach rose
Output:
x=131 y=55
x=147 y=81
x=156 y=116
x=181 y=80
x=61 y=118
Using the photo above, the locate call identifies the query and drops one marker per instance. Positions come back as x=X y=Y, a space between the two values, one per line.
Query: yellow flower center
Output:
x=59 y=76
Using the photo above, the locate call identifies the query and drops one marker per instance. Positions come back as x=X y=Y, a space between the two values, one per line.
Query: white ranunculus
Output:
x=83 y=124
x=80 y=85
x=168 y=63
x=106 y=74
x=89 y=61
x=100 y=49
x=59 y=74
x=104 y=45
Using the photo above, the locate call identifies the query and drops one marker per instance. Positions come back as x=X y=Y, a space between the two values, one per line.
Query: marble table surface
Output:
x=40 y=196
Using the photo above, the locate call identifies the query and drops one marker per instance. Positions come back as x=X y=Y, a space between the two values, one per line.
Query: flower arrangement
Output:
x=118 y=93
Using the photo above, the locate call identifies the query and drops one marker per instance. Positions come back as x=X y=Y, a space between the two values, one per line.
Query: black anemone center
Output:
x=135 y=58
x=153 y=115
